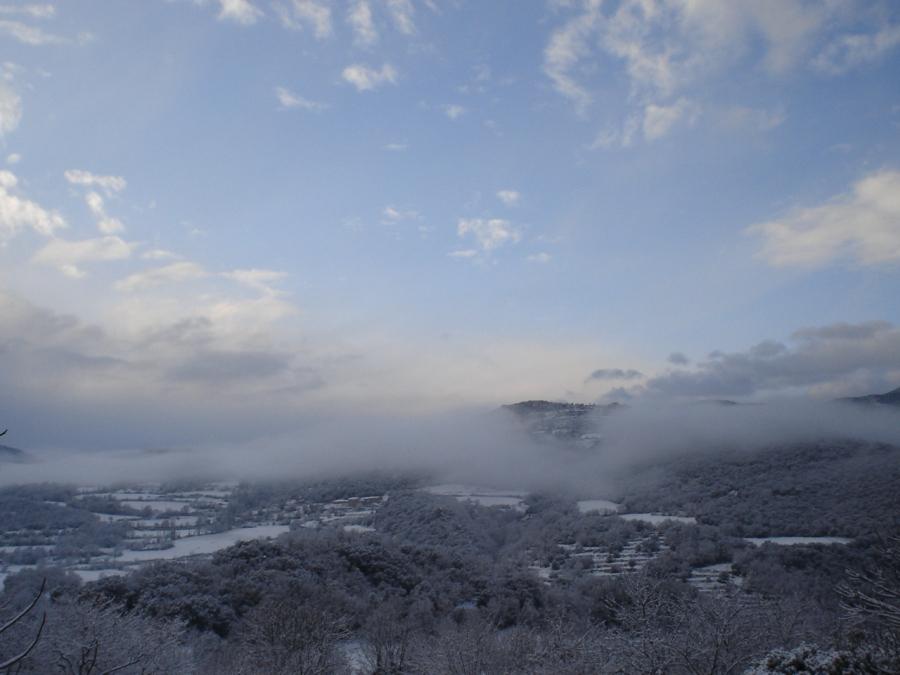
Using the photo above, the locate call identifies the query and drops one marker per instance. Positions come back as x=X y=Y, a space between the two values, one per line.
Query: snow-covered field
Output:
x=480 y=495
x=796 y=541
x=157 y=505
x=358 y=528
x=112 y=517
x=658 y=518
x=94 y=575
x=714 y=578
x=205 y=543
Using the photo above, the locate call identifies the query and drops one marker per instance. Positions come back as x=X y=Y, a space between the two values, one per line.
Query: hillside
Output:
x=891 y=398
x=10 y=454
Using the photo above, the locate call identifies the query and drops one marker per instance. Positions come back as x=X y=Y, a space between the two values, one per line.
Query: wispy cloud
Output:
x=69 y=256
x=660 y=119
x=34 y=11
x=17 y=213
x=453 y=111
x=666 y=48
x=29 y=35
x=615 y=374
x=105 y=223
x=365 y=78
x=509 y=197
x=109 y=184
x=567 y=46
x=402 y=13
x=243 y=12
x=288 y=100
x=10 y=109
x=850 y=51
x=359 y=16
x=299 y=14
x=258 y=279
x=172 y=273
x=490 y=234
x=392 y=214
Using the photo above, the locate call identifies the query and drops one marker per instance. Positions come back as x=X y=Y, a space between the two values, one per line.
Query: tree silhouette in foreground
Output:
x=8 y=663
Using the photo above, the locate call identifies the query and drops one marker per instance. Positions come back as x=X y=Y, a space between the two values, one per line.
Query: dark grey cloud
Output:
x=214 y=366
x=834 y=360
x=67 y=383
x=843 y=331
x=678 y=359
x=615 y=374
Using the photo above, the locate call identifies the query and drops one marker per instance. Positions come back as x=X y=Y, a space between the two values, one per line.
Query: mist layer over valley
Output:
x=449 y=337
x=549 y=511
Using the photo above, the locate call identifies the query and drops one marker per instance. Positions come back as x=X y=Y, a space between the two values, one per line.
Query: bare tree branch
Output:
x=25 y=611
x=15 y=659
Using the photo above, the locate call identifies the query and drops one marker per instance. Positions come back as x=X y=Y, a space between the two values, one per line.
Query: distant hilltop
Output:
x=890 y=398
x=562 y=421
x=8 y=454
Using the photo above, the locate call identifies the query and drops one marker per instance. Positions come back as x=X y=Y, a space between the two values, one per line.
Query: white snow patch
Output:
x=205 y=543
x=796 y=541
x=658 y=518
x=601 y=506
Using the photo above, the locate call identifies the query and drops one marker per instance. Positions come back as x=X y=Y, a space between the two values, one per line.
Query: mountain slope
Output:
x=9 y=454
x=891 y=398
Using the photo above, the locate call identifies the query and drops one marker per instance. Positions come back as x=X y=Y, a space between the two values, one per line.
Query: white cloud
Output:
x=105 y=223
x=359 y=16
x=541 y=258
x=34 y=11
x=396 y=147
x=66 y=255
x=608 y=137
x=605 y=138
x=509 y=197
x=366 y=79
x=95 y=203
x=567 y=46
x=464 y=253
x=453 y=111
x=667 y=46
x=17 y=213
x=489 y=233
x=862 y=225
x=29 y=35
x=13 y=158
x=257 y=279
x=110 y=225
x=10 y=110
x=159 y=254
x=849 y=51
x=402 y=14
x=239 y=11
x=289 y=100
x=109 y=184
x=172 y=273
x=738 y=117
x=659 y=119
x=392 y=214
x=309 y=13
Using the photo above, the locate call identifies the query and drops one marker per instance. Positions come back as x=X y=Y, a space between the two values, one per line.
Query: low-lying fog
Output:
x=482 y=447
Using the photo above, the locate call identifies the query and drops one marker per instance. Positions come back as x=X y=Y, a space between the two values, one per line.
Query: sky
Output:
x=220 y=218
